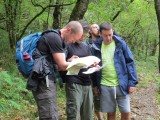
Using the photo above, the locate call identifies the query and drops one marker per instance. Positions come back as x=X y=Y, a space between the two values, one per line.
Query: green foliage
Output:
x=28 y=11
x=97 y=12
x=14 y=97
x=17 y=102
x=7 y=54
x=137 y=25
x=148 y=71
x=101 y=10
x=136 y=22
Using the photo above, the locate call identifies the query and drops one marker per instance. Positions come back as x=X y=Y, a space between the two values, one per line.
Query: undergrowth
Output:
x=16 y=101
x=148 y=71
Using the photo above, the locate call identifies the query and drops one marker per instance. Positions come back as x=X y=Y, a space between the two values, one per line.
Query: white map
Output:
x=83 y=62
x=94 y=69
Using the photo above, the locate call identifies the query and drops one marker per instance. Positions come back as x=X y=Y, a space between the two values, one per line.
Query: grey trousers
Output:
x=45 y=98
x=79 y=101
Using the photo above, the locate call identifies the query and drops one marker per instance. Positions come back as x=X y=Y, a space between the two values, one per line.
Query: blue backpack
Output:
x=25 y=49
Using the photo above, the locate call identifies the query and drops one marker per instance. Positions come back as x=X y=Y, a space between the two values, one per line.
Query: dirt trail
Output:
x=143 y=104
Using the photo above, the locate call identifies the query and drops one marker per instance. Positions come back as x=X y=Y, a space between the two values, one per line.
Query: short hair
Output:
x=75 y=26
x=105 y=26
x=91 y=26
x=85 y=26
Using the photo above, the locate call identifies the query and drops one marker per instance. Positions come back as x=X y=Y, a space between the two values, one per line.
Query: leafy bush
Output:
x=15 y=99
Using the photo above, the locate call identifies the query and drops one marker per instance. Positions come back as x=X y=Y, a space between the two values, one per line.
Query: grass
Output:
x=148 y=71
x=15 y=100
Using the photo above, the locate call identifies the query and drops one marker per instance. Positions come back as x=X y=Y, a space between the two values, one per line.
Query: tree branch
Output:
x=44 y=8
x=118 y=12
x=2 y=28
x=37 y=5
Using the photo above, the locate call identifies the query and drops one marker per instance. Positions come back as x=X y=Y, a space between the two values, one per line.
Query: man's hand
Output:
x=131 y=89
x=96 y=91
x=72 y=58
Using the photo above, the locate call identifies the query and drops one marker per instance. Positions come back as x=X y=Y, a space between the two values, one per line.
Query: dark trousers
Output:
x=79 y=101
x=45 y=98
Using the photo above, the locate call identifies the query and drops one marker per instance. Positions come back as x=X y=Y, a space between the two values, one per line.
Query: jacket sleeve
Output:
x=130 y=64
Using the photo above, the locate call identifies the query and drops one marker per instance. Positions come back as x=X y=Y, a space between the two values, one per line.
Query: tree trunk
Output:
x=154 y=47
x=79 y=10
x=57 y=15
x=11 y=9
x=157 y=8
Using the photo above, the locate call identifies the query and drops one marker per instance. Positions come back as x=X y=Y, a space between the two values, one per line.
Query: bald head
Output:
x=72 y=32
x=75 y=26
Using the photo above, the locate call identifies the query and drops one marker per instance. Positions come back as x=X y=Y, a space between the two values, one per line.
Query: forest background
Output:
x=137 y=21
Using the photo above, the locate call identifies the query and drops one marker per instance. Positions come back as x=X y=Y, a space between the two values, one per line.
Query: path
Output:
x=143 y=104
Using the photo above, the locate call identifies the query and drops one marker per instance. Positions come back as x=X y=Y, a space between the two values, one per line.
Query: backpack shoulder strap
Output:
x=51 y=30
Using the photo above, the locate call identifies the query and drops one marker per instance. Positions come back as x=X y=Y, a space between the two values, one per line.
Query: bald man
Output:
x=52 y=45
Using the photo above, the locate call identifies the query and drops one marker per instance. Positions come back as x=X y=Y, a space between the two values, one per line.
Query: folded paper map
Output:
x=94 y=69
x=83 y=62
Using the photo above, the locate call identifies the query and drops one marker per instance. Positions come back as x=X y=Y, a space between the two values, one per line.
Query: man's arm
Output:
x=132 y=74
x=60 y=60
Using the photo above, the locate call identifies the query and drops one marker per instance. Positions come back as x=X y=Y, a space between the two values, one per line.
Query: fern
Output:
x=14 y=104
x=5 y=78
